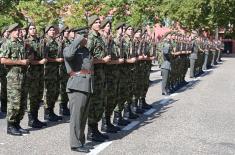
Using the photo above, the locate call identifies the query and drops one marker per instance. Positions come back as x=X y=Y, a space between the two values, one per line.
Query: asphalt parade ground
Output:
x=198 y=119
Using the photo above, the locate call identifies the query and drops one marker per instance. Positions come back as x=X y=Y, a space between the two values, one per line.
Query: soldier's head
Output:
x=129 y=30
x=137 y=33
x=32 y=31
x=5 y=32
x=94 y=22
x=119 y=28
x=50 y=31
x=23 y=32
x=71 y=34
x=14 y=31
x=106 y=25
x=173 y=36
x=64 y=32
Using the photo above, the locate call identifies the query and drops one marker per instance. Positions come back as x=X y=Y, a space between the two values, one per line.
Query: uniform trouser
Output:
x=52 y=92
x=219 y=56
x=16 y=98
x=3 y=81
x=213 y=58
x=35 y=85
x=148 y=65
x=204 y=67
x=124 y=88
x=141 y=80
x=192 y=67
x=97 y=99
x=63 y=83
x=79 y=108
x=111 y=86
x=165 y=74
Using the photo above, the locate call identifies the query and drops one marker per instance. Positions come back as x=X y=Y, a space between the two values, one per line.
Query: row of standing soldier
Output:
x=122 y=65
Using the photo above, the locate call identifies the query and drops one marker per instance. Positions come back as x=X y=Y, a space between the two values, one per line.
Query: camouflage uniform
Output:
x=63 y=77
x=51 y=73
x=35 y=73
x=97 y=47
x=16 y=97
x=3 y=81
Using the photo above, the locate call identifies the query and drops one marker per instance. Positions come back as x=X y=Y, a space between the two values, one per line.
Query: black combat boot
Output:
x=23 y=131
x=142 y=101
x=64 y=110
x=137 y=108
x=51 y=116
x=107 y=126
x=128 y=114
x=118 y=119
x=34 y=122
x=93 y=135
x=13 y=130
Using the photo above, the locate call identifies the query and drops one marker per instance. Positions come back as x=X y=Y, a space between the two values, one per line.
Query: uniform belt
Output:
x=83 y=71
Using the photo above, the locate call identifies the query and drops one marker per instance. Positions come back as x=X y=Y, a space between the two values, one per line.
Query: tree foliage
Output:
x=193 y=14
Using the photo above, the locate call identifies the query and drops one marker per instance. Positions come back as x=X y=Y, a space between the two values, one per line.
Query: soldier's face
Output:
x=129 y=31
x=71 y=35
x=66 y=34
x=23 y=31
x=51 y=32
x=15 y=33
x=138 y=34
x=32 y=31
x=107 y=28
x=119 y=31
x=96 y=25
x=6 y=34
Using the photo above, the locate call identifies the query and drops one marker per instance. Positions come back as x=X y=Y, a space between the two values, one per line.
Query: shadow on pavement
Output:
x=51 y=124
x=144 y=119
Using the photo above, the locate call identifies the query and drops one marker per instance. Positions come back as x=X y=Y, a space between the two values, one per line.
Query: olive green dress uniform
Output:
x=79 y=89
x=193 y=57
x=166 y=65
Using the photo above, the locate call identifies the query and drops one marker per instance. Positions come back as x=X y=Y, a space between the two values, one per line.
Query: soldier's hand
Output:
x=43 y=61
x=107 y=59
x=133 y=60
x=140 y=57
x=152 y=58
x=121 y=60
x=25 y=62
x=145 y=56
x=60 y=60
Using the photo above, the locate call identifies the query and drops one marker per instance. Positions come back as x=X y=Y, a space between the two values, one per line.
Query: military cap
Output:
x=13 y=26
x=82 y=30
x=120 y=24
x=48 y=27
x=104 y=23
x=4 y=29
x=64 y=29
x=92 y=19
x=137 y=29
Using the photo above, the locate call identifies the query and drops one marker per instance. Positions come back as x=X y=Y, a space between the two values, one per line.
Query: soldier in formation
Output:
x=99 y=72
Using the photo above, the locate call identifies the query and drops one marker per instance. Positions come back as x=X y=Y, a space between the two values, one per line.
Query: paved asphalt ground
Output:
x=199 y=119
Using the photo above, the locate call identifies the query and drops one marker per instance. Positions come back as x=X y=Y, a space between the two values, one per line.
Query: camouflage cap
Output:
x=136 y=29
x=13 y=27
x=118 y=25
x=92 y=19
x=104 y=23
x=48 y=27
x=4 y=29
x=64 y=29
